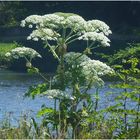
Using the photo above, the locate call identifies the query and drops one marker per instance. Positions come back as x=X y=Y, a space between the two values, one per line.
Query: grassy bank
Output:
x=4 y=48
x=29 y=128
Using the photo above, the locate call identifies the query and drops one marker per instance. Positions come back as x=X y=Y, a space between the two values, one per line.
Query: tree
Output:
x=11 y=13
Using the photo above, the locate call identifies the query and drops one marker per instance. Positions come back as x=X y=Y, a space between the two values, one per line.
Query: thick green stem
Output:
x=61 y=73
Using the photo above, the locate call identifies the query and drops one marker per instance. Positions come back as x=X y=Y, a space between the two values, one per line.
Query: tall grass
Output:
x=26 y=128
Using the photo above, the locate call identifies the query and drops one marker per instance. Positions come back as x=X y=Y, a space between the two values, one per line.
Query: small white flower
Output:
x=8 y=54
x=28 y=64
x=23 y=23
x=30 y=26
x=35 y=39
x=29 y=38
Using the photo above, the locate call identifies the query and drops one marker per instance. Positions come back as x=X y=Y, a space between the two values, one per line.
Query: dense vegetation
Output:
x=76 y=84
x=76 y=112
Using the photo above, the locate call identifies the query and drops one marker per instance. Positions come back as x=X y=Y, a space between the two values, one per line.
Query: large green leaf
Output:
x=36 y=90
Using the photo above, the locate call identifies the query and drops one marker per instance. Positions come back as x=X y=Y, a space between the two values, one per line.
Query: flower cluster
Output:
x=73 y=59
x=98 y=26
x=87 y=64
x=76 y=22
x=86 y=70
x=52 y=20
x=94 y=36
x=97 y=67
x=49 y=25
x=58 y=94
x=43 y=34
x=22 y=52
x=33 y=19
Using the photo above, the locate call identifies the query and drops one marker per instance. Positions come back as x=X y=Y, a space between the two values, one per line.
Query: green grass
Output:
x=4 y=48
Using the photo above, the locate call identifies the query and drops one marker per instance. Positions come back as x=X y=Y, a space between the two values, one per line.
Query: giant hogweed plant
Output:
x=76 y=73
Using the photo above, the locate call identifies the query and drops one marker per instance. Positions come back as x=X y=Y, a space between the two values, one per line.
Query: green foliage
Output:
x=45 y=111
x=129 y=93
x=36 y=90
x=33 y=70
x=11 y=13
x=4 y=48
x=133 y=51
x=74 y=108
x=126 y=63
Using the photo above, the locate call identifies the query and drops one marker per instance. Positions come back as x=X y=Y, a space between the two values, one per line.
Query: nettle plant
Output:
x=76 y=73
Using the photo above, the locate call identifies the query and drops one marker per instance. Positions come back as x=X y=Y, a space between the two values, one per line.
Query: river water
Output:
x=14 y=85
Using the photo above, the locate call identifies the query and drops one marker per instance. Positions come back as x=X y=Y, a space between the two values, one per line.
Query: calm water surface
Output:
x=14 y=85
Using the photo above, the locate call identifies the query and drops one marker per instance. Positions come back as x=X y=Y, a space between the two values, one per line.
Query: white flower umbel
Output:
x=57 y=94
x=92 y=70
x=43 y=34
x=52 y=20
x=75 y=59
x=77 y=23
x=98 y=26
x=23 y=52
x=96 y=66
x=94 y=36
x=87 y=70
x=33 y=19
x=54 y=27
